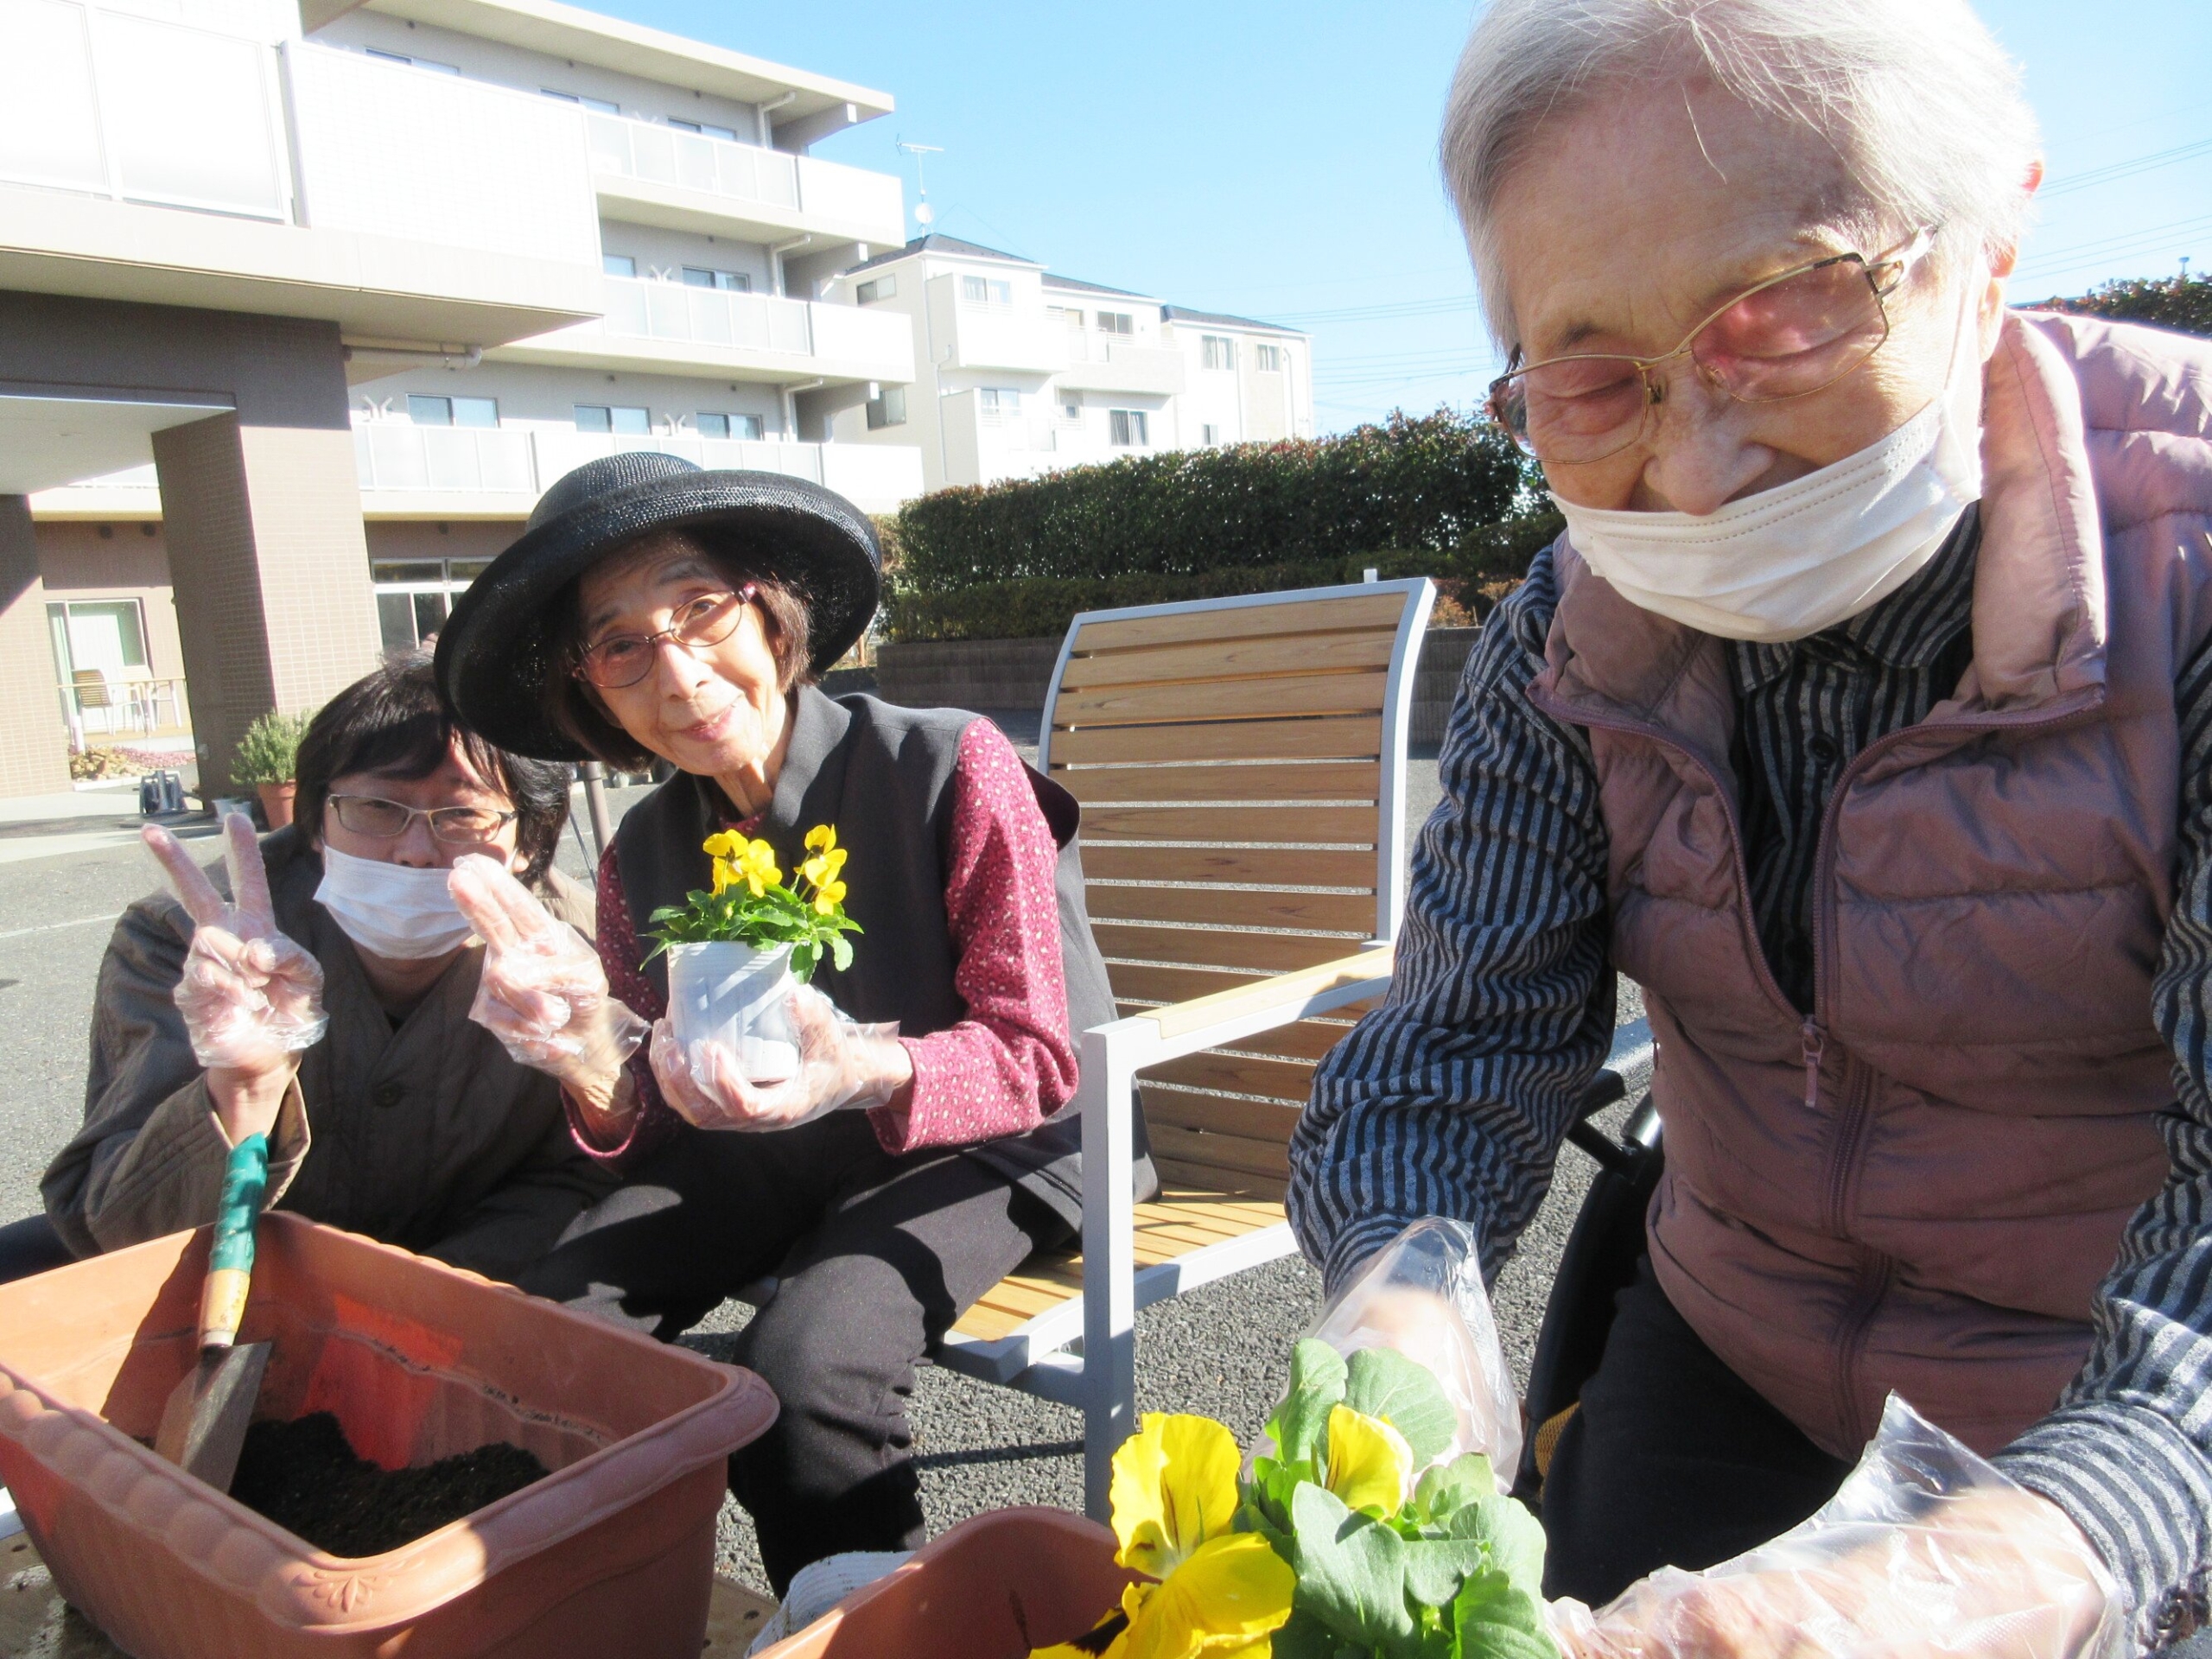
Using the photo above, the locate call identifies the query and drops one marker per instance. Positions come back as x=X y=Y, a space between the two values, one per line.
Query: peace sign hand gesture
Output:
x=251 y=998
x=543 y=992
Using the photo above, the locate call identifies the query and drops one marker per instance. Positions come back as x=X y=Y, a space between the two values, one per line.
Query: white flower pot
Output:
x=739 y=996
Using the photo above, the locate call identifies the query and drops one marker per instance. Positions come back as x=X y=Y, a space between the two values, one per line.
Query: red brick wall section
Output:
x=33 y=739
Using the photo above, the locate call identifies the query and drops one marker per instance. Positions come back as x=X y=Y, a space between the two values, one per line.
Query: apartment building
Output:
x=304 y=303
x=1021 y=372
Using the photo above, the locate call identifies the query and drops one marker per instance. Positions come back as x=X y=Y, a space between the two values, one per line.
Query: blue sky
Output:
x=1278 y=160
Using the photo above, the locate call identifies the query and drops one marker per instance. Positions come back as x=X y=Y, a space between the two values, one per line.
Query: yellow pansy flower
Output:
x=1224 y=1602
x=1174 y=1488
x=757 y=864
x=1370 y=1462
x=725 y=874
x=823 y=867
x=725 y=844
x=821 y=838
x=828 y=897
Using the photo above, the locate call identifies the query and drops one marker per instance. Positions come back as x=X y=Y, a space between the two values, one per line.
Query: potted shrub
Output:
x=268 y=757
x=735 y=952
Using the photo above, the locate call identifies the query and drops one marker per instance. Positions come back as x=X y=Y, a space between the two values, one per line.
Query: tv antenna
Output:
x=925 y=215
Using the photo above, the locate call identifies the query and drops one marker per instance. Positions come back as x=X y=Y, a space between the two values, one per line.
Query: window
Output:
x=1217 y=352
x=1268 y=358
x=1070 y=405
x=999 y=401
x=599 y=417
x=736 y=281
x=887 y=408
x=986 y=290
x=603 y=106
x=414 y=596
x=1127 y=429
x=453 y=411
x=704 y=129
x=1066 y=316
x=1209 y=435
x=728 y=426
x=1116 y=323
x=882 y=288
x=431 y=64
x=618 y=264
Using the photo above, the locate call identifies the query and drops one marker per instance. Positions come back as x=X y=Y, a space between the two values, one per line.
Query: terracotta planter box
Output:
x=991 y=1588
x=276 y=802
x=614 y=1554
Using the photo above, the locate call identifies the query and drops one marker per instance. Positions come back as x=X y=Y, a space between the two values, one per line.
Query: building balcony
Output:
x=499 y=473
x=404 y=205
x=647 y=174
x=659 y=327
x=1098 y=362
x=999 y=337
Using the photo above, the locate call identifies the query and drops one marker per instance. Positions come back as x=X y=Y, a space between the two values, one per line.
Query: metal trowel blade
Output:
x=203 y=1427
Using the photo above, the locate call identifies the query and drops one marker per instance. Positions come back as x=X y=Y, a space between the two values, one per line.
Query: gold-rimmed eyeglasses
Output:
x=383 y=820
x=623 y=659
x=1795 y=333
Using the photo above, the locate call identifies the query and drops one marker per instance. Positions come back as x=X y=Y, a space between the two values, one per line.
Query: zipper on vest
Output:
x=1814 y=1042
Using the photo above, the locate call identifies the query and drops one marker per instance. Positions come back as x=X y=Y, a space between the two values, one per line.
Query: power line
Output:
x=2070 y=182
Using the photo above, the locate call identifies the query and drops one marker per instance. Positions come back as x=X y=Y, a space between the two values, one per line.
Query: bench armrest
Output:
x=1223 y=1016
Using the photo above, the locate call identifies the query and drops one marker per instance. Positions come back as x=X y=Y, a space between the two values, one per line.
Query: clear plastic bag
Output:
x=1927 y=1549
x=1422 y=1294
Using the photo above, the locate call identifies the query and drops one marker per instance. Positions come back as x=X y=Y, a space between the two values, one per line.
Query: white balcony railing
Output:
x=746 y=174
x=640 y=308
x=394 y=456
x=510 y=466
x=1109 y=363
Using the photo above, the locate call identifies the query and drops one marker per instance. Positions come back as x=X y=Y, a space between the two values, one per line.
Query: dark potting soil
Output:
x=304 y=1476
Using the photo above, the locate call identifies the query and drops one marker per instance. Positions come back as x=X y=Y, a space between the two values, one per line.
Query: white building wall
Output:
x=534 y=72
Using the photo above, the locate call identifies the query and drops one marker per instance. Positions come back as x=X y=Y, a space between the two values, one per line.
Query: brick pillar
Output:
x=270 y=573
x=34 y=738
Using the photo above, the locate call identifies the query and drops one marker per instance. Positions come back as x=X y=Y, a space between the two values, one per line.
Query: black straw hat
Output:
x=494 y=651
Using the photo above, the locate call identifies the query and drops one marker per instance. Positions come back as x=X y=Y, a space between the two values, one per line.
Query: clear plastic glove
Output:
x=1422 y=1296
x=841 y=1065
x=1927 y=1550
x=250 y=997
x=543 y=992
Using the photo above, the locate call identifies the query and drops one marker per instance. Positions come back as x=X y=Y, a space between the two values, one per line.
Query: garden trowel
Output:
x=203 y=1427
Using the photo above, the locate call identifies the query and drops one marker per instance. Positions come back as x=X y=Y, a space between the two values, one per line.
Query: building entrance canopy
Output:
x=48 y=439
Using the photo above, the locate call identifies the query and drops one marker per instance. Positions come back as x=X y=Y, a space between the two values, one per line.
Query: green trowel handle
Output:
x=230 y=1258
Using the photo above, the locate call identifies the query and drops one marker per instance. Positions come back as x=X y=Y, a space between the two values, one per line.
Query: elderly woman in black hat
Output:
x=652 y=609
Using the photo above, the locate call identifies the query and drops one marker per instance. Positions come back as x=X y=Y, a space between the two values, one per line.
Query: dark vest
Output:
x=881 y=775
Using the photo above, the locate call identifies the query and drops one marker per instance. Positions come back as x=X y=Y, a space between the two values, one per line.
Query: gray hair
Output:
x=1920 y=104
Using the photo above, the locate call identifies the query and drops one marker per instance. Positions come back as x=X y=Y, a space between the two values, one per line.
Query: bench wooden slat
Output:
x=1321 y=780
x=1288 y=1080
x=1241 y=1182
x=1308 y=1039
x=1135 y=705
x=1243 y=621
x=1335 y=825
x=1355 y=737
x=1144 y=983
x=1265 y=867
x=1349 y=914
x=1242 y=1154
x=1218 y=1118
x=1219 y=947
x=1264 y=654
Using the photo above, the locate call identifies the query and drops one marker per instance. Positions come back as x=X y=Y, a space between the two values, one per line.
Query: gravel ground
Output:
x=979 y=1447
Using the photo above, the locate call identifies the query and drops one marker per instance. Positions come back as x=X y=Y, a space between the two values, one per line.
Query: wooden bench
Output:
x=1241 y=763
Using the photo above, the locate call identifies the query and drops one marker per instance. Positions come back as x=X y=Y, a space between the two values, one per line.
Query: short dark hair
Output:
x=573 y=708
x=391 y=722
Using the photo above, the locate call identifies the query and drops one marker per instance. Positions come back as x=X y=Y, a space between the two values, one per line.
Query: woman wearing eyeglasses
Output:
x=927 y=1141
x=1863 y=717
x=324 y=1001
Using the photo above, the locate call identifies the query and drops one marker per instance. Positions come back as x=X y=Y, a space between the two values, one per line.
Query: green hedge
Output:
x=1421 y=484
x=2182 y=302
x=1470 y=576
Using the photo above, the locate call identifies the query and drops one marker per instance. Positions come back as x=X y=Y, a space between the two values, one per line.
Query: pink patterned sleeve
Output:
x=1010 y=1063
x=619 y=955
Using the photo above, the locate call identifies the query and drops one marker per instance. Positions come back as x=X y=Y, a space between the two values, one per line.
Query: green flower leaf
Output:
x=1514 y=1538
x=841 y=951
x=1436 y=1567
x=1446 y=1488
x=1384 y=1383
x=1351 y=1570
x=1493 y=1619
x=1307 y=1637
x=1317 y=1382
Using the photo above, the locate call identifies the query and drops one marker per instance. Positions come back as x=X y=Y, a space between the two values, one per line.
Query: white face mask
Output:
x=397 y=912
x=1807 y=555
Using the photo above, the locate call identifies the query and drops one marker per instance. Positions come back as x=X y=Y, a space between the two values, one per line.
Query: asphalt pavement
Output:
x=1222 y=1351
